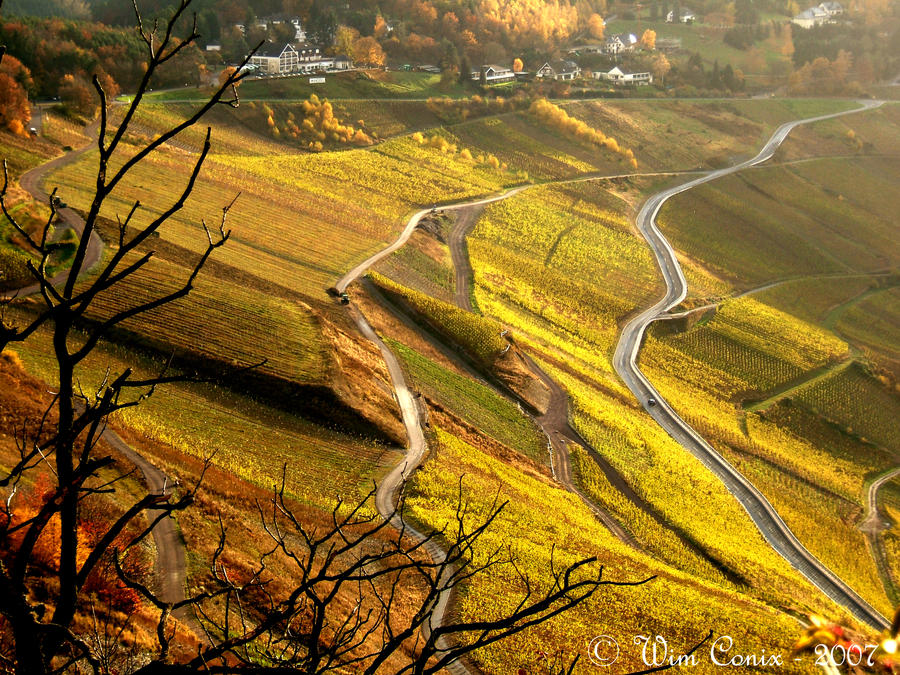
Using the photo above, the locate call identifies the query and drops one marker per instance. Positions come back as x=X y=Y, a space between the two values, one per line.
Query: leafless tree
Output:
x=251 y=623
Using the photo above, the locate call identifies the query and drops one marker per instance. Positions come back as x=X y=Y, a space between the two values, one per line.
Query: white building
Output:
x=618 y=78
x=832 y=8
x=814 y=16
x=559 y=70
x=272 y=59
x=493 y=73
x=325 y=64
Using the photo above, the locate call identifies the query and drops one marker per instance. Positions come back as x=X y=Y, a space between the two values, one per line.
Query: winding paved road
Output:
x=554 y=422
x=757 y=506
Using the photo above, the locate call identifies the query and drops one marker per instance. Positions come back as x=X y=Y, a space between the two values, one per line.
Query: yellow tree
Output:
x=228 y=75
x=518 y=65
x=15 y=110
x=648 y=39
x=344 y=40
x=367 y=50
x=596 y=26
x=660 y=68
x=381 y=27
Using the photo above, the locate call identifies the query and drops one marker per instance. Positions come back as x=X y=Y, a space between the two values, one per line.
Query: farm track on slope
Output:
x=32 y=181
x=872 y=527
x=763 y=514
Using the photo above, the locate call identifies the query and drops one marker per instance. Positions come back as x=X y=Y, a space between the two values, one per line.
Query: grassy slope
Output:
x=782 y=222
x=294 y=224
x=478 y=404
x=296 y=218
x=20 y=154
x=707 y=41
x=354 y=85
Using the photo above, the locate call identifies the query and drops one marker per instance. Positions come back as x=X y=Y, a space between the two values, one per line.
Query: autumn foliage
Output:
x=15 y=110
x=318 y=128
x=557 y=118
x=514 y=24
x=102 y=584
x=453 y=110
x=442 y=145
x=596 y=26
x=824 y=77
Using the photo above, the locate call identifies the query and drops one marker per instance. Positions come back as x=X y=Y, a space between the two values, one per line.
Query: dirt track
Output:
x=32 y=182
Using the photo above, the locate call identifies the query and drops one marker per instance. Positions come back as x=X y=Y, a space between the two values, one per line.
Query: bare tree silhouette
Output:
x=250 y=624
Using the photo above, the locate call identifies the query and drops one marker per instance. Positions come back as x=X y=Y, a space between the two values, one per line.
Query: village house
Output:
x=616 y=44
x=493 y=74
x=820 y=14
x=272 y=59
x=559 y=70
x=265 y=23
x=325 y=64
x=308 y=53
x=618 y=78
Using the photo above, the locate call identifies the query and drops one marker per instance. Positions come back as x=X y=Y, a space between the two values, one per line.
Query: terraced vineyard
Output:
x=874 y=323
x=244 y=435
x=539 y=255
x=859 y=403
x=579 y=234
x=757 y=345
x=196 y=326
x=424 y=265
x=475 y=402
x=784 y=222
x=480 y=337
x=538 y=513
x=562 y=267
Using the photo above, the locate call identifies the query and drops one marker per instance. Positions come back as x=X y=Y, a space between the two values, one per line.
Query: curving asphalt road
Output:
x=872 y=527
x=411 y=225
x=388 y=489
x=757 y=506
x=556 y=427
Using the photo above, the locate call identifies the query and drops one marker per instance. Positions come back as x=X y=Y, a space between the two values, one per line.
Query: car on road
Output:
x=651 y=402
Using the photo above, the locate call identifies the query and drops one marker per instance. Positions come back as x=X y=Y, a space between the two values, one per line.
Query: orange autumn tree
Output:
x=367 y=51
x=596 y=26
x=648 y=39
x=15 y=109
